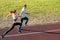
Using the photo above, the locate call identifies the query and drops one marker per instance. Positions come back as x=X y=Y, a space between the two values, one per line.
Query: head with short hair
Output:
x=14 y=11
x=25 y=5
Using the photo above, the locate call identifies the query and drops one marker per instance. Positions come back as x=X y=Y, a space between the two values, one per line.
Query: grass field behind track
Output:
x=41 y=11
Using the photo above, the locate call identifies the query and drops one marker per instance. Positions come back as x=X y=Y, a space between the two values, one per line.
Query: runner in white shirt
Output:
x=23 y=16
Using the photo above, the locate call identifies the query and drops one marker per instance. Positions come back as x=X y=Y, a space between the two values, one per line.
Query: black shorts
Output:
x=14 y=20
x=25 y=18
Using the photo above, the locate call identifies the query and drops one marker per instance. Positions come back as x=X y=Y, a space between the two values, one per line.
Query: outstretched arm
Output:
x=7 y=16
x=27 y=13
x=20 y=14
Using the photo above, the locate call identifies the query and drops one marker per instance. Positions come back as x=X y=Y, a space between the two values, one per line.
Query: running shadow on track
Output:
x=52 y=32
x=40 y=31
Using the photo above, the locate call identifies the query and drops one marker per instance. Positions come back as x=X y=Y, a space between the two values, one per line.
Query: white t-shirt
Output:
x=23 y=12
x=14 y=16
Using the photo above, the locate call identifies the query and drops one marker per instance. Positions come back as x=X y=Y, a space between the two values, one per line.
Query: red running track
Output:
x=35 y=32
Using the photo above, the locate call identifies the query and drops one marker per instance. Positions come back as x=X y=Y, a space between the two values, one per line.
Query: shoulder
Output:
x=23 y=8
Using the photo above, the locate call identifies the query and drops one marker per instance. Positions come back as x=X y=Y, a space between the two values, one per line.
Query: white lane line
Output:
x=31 y=33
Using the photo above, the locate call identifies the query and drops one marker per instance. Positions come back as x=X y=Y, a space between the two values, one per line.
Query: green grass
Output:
x=42 y=11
